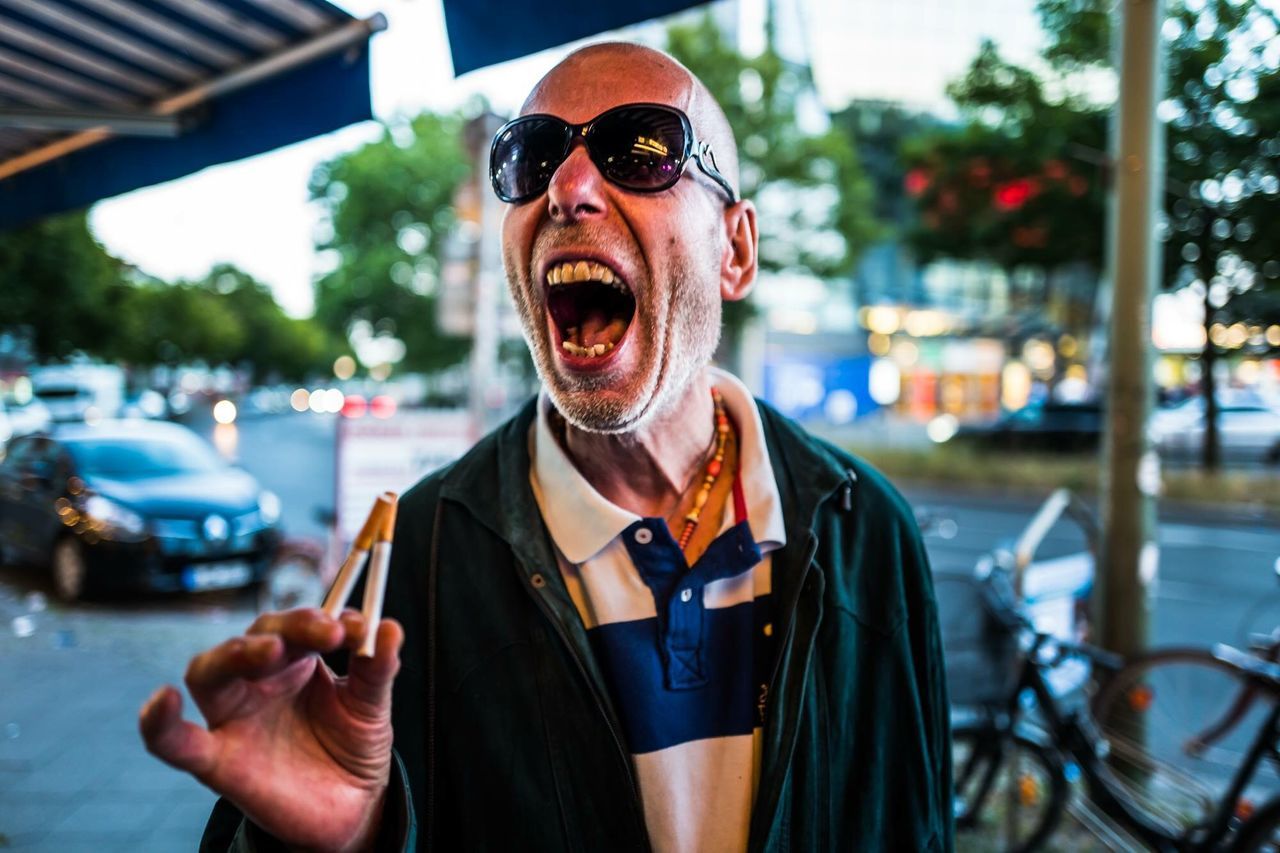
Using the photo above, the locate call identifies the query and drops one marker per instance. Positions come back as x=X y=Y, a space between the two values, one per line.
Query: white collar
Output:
x=582 y=522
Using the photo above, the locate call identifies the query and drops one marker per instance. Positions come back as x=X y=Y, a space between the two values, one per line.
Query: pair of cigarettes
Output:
x=374 y=535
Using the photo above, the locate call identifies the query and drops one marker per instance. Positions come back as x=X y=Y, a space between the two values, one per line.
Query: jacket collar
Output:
x=582 y=521
x=492 y=482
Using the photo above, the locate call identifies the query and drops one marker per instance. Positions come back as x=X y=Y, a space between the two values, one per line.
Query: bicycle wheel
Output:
x=1179 y=723
x=1260 y=833
x=1010 y=789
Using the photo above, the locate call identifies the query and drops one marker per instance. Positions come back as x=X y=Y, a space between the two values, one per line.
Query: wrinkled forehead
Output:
x=588 y=83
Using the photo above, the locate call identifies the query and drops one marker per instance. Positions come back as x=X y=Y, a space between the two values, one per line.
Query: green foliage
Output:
x=815 y=199
x=1223 y=161
x=1009 y=186
x=390 y=208
x=1079 y=32
x=227 y=317
x=57 y=279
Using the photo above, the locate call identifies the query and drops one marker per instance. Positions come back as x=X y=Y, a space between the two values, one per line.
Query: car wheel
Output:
x=69 y=569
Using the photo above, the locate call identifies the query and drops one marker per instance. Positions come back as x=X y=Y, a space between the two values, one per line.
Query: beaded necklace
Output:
x=713 y=470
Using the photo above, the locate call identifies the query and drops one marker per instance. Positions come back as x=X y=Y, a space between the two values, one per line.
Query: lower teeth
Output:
x=594 y=351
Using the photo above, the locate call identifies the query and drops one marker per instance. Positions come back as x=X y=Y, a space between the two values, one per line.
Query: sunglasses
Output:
x=639 y=147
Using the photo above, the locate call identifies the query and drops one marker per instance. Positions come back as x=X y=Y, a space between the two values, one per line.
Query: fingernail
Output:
x=155 y=697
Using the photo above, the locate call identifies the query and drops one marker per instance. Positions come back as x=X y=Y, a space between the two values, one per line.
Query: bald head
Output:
x=590 y=74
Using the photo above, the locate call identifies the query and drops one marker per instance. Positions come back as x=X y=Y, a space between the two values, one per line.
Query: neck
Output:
x=647 y=471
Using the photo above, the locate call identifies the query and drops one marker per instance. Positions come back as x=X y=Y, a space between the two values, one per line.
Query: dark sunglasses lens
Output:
x=640 y=148
x=526 y=155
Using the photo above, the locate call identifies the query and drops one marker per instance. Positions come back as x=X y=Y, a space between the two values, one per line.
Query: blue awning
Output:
x=99 y=97
x=486 y=32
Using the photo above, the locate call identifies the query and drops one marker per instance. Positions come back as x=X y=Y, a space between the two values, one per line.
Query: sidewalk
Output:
x=74 y=775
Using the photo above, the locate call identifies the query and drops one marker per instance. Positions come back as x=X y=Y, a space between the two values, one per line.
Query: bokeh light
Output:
x=224 y=412
x=942 y=428
x=344 y=367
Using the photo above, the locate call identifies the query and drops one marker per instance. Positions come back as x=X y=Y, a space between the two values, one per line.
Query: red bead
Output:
x=713 y=468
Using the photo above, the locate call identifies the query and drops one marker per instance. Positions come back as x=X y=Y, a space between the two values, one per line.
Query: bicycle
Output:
x=1184 y=720
x=1021 y=747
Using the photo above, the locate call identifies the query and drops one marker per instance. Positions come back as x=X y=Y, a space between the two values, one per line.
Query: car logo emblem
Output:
x=215 y=528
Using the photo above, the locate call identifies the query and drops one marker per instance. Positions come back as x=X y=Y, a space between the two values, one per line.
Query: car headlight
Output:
x=114 y=520
x=269 y=507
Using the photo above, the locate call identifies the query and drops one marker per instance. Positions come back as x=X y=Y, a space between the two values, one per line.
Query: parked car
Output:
x=1041 y=426
x=1248 y=428
x=78 y=392
x=25 y=418
x=133 y=504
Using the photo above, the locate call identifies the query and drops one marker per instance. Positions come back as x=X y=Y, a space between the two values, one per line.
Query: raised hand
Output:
x=303 y=753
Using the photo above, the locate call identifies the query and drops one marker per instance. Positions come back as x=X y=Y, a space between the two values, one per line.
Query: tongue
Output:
x=599 y=328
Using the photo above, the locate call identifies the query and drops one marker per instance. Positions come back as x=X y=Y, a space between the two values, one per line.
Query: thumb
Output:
x=172 y=739
x=369 y=679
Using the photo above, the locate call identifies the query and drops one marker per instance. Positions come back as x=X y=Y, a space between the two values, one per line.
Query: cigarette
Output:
x=352 y=565
x=375 y=588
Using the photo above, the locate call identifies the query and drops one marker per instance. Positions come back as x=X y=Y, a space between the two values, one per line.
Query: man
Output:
x=646 y=613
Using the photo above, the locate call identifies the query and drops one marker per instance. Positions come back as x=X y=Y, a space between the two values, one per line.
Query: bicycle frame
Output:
x=1073 y=734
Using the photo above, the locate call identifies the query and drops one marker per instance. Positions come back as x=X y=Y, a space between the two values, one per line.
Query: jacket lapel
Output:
x=807 y=477
x=503 y=501
x=506 y=505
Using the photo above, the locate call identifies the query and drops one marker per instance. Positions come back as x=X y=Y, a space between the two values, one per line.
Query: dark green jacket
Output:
x=507 y=734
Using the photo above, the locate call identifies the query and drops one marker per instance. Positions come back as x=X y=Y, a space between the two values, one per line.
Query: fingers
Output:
x=172 y=739
x=309 y=628
x=273 y=642
x=240 y=657
x=369 y=679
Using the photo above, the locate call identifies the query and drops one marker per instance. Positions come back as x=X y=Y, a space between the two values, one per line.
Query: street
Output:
x=74 y=775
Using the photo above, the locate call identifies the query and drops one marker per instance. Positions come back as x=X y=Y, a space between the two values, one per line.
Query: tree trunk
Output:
x=1210 y=449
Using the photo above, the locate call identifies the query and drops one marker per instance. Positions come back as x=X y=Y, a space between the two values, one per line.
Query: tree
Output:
x=1008 y=186
x=389 y=206
x=177 y=324
x=816 y=202
x=1222 y=114
x=58 y=280
x=274 y=345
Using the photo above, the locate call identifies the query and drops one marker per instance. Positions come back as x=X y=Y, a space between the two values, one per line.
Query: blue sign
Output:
x=814 y=387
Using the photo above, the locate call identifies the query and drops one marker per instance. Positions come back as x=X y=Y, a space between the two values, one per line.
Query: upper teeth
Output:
x=570 y=271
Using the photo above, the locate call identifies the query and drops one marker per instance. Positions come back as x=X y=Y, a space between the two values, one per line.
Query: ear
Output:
x=739 y=262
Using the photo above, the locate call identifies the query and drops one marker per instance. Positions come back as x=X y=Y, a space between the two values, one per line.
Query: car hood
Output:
x=184 y=495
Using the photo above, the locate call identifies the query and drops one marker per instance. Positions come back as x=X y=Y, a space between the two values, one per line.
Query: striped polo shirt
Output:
x=686 y=650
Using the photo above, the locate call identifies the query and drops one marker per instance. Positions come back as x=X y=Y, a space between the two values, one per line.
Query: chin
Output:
x=601 y=410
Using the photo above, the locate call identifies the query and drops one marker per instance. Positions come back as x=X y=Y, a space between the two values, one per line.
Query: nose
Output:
x=576 y=190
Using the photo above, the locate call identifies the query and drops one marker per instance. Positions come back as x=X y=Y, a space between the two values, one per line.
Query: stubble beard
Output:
x=683 y=335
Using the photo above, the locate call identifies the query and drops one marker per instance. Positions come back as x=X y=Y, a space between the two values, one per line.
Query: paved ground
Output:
x=73 y=773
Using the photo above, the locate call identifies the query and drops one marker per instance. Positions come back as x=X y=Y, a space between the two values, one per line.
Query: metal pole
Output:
x=1129 y=557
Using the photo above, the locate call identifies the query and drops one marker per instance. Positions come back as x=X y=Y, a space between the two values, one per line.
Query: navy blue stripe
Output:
x=734 y=652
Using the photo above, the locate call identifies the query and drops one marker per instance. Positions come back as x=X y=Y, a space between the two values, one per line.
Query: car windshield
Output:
x=129 y=458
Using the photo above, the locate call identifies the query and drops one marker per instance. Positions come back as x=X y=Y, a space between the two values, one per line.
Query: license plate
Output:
x=216 y=575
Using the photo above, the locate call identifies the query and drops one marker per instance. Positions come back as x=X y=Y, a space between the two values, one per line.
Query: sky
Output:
x=254 y=213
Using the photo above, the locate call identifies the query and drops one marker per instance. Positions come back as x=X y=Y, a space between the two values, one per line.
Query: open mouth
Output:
x=591 y=307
